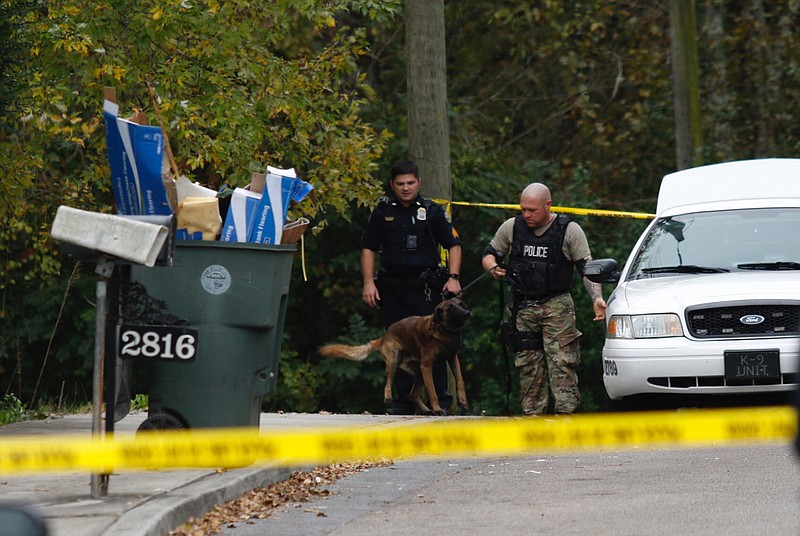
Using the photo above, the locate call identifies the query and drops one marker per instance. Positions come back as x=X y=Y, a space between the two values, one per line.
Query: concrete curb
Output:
x=164 y=513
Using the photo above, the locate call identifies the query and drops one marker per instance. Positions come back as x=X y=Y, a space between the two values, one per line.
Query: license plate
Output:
x=752 y=365
x=170 y=343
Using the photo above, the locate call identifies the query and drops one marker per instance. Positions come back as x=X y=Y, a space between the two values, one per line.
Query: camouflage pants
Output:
x=556 y=321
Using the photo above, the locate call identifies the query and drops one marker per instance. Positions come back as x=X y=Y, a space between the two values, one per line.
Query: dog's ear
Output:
x=437 y=314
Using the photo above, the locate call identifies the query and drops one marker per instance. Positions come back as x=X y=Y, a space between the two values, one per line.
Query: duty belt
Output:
x=423 y=280
x=401 y=284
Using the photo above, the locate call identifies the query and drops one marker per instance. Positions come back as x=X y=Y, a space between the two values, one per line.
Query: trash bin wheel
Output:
x=161 y=421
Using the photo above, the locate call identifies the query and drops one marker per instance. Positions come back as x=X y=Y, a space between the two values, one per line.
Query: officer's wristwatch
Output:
x=454 y=276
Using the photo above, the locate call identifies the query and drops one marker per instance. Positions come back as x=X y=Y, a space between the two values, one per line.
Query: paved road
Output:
x=743 y=490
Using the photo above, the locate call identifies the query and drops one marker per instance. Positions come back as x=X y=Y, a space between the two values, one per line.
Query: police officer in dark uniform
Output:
x=407 y=230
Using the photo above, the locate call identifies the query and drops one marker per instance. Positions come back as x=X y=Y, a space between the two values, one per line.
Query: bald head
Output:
x=535 y=203
x=536 y=191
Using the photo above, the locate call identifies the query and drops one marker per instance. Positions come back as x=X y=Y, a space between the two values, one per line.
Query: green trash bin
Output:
x=234 y=295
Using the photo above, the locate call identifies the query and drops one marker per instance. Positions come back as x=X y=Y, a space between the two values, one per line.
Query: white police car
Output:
x=709 y=299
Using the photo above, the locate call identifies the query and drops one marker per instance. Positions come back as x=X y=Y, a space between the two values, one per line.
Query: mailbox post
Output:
x=104 y=271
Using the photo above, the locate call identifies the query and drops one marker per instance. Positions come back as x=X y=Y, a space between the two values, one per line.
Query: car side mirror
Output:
x=602 y=271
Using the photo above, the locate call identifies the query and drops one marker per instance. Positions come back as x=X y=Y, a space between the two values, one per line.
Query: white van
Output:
x=709 y=299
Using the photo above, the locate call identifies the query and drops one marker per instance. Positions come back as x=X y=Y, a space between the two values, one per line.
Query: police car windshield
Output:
x=720 y=241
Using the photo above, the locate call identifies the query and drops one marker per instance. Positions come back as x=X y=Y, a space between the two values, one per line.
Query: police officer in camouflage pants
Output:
x=542 y=249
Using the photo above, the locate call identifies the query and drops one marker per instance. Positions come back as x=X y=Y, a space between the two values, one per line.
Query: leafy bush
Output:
x=140 y=402
x=11 y=409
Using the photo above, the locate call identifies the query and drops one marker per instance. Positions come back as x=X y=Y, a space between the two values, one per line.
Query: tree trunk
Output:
x=428 y=129
x=765 y=86
x=720 y=102
x=688 y=133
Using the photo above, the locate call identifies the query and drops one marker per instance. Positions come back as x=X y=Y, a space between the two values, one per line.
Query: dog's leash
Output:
x=463 y=289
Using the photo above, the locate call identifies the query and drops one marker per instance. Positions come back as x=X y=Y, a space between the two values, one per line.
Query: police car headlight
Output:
x=644 y=326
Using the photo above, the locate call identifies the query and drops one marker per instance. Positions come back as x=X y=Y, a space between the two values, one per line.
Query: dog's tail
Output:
x=353 y=353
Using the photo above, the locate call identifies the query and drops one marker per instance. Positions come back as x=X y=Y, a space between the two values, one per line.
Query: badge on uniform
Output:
x=388 y=218
x=422 y=214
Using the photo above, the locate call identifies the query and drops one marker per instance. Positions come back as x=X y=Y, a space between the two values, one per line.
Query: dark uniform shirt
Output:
x=406 y=237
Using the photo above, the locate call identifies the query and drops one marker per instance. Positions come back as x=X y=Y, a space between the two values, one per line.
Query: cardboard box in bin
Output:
x=294 y=230
x=138 y=164
x=241 y=216
x=198 y=211
x=274 y=191
x=198 y=219
x=273 y=208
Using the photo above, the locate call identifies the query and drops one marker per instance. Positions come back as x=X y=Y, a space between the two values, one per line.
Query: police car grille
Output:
x=780 y=319
x=693 y=382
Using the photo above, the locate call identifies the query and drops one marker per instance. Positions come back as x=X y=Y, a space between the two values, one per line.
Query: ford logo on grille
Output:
x=751 y=320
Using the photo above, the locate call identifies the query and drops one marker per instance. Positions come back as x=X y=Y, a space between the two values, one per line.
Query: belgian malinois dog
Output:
x=415 y=344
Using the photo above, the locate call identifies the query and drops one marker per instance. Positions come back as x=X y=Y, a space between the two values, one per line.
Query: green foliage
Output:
x=33 y=345
x=140 y=402
x=569 y=81
x=11 y=409
x=298 y=387
x=14 y=50
x=363 y=382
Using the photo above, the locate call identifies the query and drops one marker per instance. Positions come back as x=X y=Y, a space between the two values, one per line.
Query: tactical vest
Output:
x=537 y=266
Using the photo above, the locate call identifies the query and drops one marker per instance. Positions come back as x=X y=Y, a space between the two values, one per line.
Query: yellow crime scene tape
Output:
x=562 y=210
x=454 y=437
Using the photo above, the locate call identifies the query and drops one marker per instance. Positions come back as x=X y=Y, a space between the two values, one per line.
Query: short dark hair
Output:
x=403 y=167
